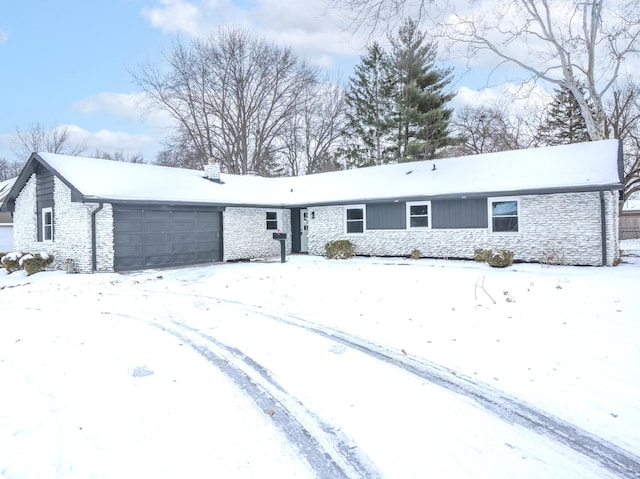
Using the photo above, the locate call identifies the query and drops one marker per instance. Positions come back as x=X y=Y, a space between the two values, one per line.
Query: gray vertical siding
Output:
x=386 y=216
x=44 y=195
x=445 y=214
x=462 y=213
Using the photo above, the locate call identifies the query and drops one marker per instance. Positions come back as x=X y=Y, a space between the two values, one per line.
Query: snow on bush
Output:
x=35 y=263
x=11 y=261
x=339 y=249
x=31 y=263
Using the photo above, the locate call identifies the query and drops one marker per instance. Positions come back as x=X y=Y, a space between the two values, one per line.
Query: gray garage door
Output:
x=157 y=237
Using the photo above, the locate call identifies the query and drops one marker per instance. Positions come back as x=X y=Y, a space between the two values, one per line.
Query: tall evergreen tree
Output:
x=564 y=122
x=369 y=106
x=421 y=117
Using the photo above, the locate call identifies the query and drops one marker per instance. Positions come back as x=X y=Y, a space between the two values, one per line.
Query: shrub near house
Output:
x=31 y=263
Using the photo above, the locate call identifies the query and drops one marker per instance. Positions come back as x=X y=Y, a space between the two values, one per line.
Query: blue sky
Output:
x=68 y=62
x=56 y=54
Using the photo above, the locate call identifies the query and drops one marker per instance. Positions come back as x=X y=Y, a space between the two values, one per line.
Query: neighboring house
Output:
x=557 y=201
x=6 y=221
x=630 y=220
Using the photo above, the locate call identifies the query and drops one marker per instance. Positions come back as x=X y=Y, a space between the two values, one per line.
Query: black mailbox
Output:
x=281 y=237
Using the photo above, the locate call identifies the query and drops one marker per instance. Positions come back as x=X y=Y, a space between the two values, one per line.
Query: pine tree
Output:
x=564 y=122
x=369 y=104
x=421 y=118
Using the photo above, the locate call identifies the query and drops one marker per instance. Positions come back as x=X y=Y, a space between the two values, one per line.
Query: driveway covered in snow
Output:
x=316 y=368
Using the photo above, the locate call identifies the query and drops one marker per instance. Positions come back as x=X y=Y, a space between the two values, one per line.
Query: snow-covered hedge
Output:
x=31 y=263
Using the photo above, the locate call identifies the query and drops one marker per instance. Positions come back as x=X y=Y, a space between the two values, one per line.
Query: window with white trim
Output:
x=504 y=215
x=272 y=220
x=47 y=224
x=418 y=214
x=354 y=219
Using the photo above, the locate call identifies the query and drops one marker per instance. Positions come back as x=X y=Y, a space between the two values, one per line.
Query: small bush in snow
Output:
x=500 y=259
x=34 y=263
x=11 y=261
x=415 y=254
x=481 y=255
x=339 y=249
x=552 y=256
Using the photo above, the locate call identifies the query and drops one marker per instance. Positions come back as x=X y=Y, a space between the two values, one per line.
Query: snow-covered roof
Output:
x=5 y=188
x=589 y=165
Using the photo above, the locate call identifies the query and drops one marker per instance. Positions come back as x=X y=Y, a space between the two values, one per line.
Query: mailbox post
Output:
x=282 y=237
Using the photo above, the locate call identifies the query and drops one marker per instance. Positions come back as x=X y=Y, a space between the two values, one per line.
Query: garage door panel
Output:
x=184 y=237
x=128 y=226
x=185 y=258
x=154 y=238
x=131 y=263
x=182 y=226
x=126 y=238
x=146 y=238
x=124 y=251
x=205 y=236
x=183 y=215
x=131 y=215
x=157 y=261
x=205 y=255
x=156 y=227
x=158 y=249
x=154 y=215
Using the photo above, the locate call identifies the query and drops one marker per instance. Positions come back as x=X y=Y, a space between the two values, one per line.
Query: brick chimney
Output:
x=212 y=170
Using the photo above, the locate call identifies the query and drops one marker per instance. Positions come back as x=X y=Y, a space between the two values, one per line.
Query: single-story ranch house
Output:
x=111 y=216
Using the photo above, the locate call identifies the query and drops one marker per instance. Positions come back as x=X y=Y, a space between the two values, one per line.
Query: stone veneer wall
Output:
x=246 y=235
x=568 y=224
x=71 y=229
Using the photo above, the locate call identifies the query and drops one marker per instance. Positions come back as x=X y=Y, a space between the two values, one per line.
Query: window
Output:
x=418 y=214
x=47 y=224
x=272 y=220
x=355 y=219
x=503 y=215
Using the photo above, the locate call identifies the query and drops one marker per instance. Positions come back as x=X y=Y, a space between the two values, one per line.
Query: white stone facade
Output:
x=563 y=227
x=246 y=235
x=71 y=229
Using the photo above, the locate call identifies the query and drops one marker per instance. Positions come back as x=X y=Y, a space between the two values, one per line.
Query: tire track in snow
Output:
x=508 y=408
x=329 y=453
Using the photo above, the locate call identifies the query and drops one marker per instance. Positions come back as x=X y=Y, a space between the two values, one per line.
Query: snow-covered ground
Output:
x=369 y=367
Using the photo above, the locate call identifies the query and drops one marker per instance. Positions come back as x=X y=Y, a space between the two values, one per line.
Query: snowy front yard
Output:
x=366 y=367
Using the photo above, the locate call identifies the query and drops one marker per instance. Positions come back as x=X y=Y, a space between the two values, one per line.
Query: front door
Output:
x=304 y=229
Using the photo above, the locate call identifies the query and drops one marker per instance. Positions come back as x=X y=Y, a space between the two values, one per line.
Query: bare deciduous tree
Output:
x=56 y=139
x=314 y=133
x=9 y=169
x=231 y=95
x=119 y=156
x=564 y=43
x=489 y=129
x=624 y=123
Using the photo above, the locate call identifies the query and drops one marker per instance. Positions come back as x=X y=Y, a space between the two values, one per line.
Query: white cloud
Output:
x=112 y=141
x=129 y=106
x=173 y=16
x=309 y=27
x=506 y=94
x=4 y=36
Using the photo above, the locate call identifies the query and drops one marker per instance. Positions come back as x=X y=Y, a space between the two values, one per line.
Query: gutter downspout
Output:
x=94 y=259
x=603 y=226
